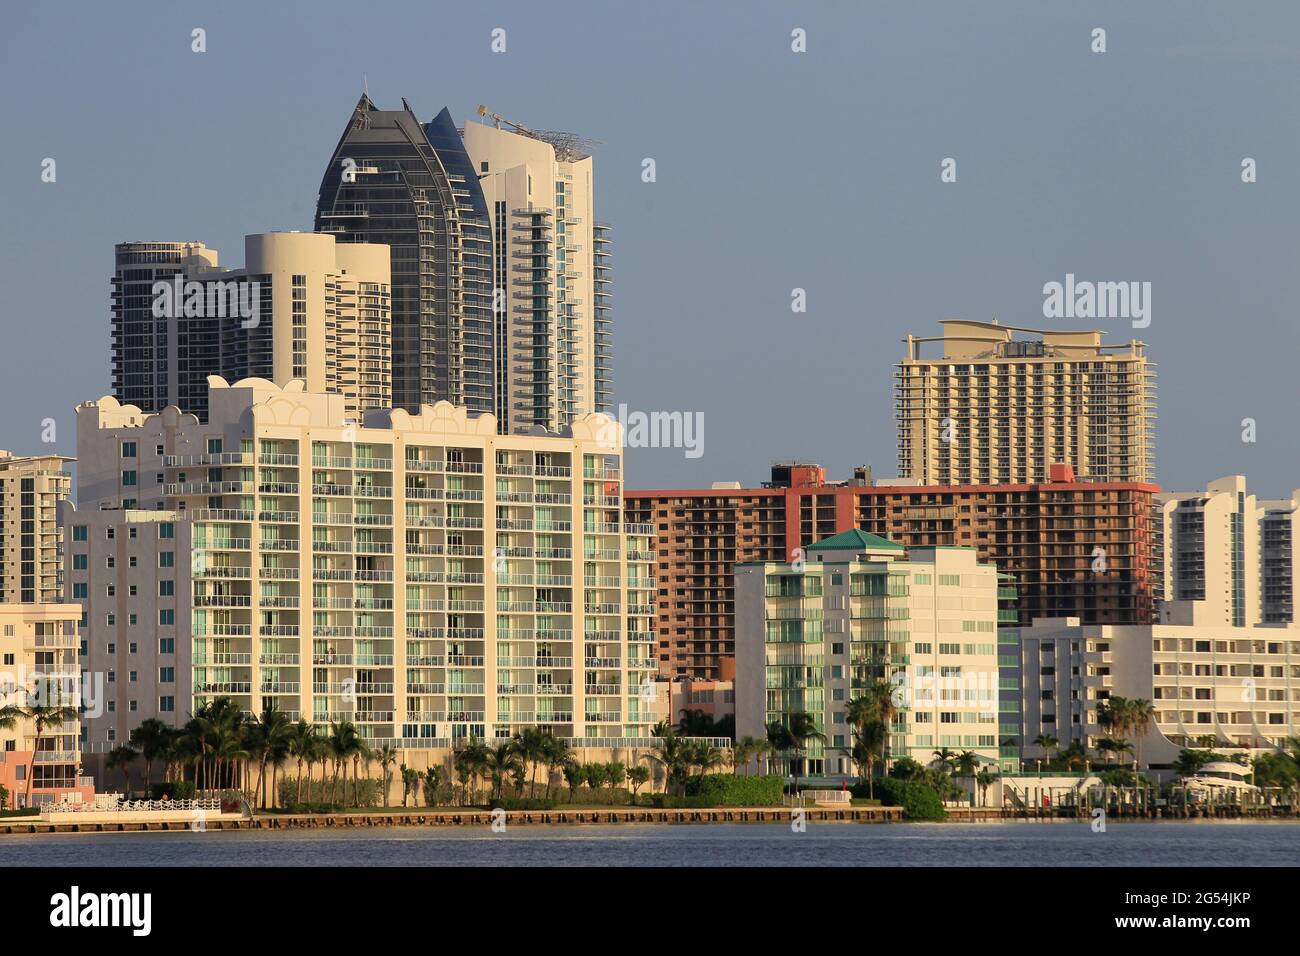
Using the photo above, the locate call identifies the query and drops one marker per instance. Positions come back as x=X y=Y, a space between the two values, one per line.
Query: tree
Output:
x=746 y=749
x=943 y=759
x=966 y=764
x=432 y=784
x=616 y=773
x=637 y=777
x=153 y=739
x=555 y=754
x=985 y=779
x=574 y=774
x=1142 y=713
x=387 y=756
x=42 y=717
x=501 y=760
x=671 y=756
x=803 y=731
x=119 y=758
x=1112 y=745
x=344 y=745
x=530 y=745
x=268 y=732
x=470 y=761
x=1047 y=742
x=306 y=747
x=595 y=775
x=865 y=751
x=1075 y=755
x=410 y=777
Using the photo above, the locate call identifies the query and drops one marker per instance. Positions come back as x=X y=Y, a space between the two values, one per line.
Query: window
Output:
x=167 y=617
x=128 y=449
x=166 y=588
x=132 y=647
x=167 y=704
x=128 y=478
x=167 y=530
x=166 y=645
x=166 y=559
x=166 y=675
x=78 y=532
x=80 y=590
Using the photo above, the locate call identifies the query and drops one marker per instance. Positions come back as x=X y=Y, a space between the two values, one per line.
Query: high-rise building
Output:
x=858 y=610
x=31 y=541
x=1229 y=550
x=1074 y=548
x=552 y=267
x=302 y=307
x=411 y=186
x=38 y=648
x=995 y=409
x=419 y=575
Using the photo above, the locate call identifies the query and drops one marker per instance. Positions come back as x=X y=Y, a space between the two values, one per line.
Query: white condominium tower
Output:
x=1230 y=551
x=418 y=574
x=551 y=268
x=303 y=307
x=995 y=409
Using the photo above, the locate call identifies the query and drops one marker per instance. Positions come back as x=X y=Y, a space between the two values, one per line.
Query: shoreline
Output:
x=624 y=816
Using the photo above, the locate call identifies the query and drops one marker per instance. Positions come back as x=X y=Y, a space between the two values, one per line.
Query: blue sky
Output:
x=775 y=170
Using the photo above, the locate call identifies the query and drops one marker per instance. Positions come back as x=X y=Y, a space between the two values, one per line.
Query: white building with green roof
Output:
x=856 y=609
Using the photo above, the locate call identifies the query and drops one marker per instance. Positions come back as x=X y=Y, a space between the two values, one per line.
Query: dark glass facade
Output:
x=412 y=186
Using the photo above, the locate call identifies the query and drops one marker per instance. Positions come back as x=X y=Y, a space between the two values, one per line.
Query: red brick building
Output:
x=1080 y=549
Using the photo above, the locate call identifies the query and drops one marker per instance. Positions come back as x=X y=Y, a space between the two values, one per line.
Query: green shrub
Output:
x=662 y=801
x=318 y=792
x=919 y=801
x=175 y=790
x=601 y=798
x=729 y=790
x=523 y=803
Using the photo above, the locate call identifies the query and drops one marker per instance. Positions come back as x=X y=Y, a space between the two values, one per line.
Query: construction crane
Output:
x=568 y=146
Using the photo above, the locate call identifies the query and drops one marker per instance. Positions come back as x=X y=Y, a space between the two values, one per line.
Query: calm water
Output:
x=994 y=844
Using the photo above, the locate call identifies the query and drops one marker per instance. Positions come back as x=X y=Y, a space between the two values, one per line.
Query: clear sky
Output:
x=775 y=170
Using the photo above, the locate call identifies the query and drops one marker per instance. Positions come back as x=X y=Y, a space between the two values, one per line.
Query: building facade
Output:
x=1073 y=548
x=419 y=575
x=1230 y=551
x=411 y=186
x=1212 y=684
x=859 y=609
x=38 y=669
x=31 y=541
x=551 y=264
x=302 y=307
x=997 y=410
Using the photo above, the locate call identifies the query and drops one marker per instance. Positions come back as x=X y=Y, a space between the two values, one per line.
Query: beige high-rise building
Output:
x=31 y=541
x=302 y=307
x=552 y=271
x=1225 y=548
x=859 y=609
x=996 y=409
x=417 y=574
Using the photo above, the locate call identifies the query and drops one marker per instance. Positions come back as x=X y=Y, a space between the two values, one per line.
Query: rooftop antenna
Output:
x=365 y=85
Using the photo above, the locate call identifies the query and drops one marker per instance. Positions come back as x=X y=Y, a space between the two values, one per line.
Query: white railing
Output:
x=135 y=806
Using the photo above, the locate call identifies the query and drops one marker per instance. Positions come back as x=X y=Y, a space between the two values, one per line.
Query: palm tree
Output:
x=1075 y=755
x=153 y=739
x=672 y=755
x=409 y=778
x=387 y=756
x=269 y=732
x=943 y=759
x=966 y=764
x=471 y=761
x=306 y=747
x=779 y=738
x=42 y=718
x=803 y=730
x=344 y=744
x=705 y=756
x=530 y=745
x=501 y=760
x=1142 y=713
x=120 y=758
x=555 y=754
x=746 y=749
x=360 y=750
x=1048 y=743
x=1114 y=745
x=866 y=750
x=985 y=779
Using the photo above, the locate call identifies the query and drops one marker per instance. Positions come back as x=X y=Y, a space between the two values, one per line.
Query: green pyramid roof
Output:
x=856 y=540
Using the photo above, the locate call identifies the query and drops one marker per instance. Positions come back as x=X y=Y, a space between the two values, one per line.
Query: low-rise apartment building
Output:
x=38 y=670
x=858 y=609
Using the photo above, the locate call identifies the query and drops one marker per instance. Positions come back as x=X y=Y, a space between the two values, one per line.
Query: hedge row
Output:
x=729 y=790
x=919 y=801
